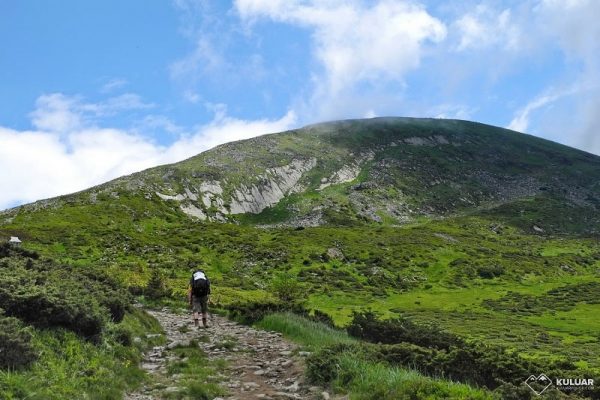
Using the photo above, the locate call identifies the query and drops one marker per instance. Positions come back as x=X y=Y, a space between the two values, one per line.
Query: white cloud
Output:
x=67 y=152
x=575 y=24
x=520 y=121
x=487 y=27
x=113 y=84
x=357 y=46
x=223 y=129
x=571 y=26
x=57 y=112
x=452 y=111
x=205 y=59
x=54 y=112
x=353 y=42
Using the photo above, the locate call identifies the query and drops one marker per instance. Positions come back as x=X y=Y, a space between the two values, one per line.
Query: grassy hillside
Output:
x=490 y=234
x=65 y=332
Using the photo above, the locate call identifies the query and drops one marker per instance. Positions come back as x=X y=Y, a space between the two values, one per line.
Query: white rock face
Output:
x=193 y=211
x=178 y=197
x=347 y=173
x=190 y=195
x=211 y=187
x=211 y=191
x=273 y=187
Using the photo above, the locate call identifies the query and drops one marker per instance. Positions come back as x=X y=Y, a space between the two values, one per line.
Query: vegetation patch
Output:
x=562 y=298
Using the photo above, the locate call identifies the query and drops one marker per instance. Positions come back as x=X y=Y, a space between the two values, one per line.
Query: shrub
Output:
x=490 y=271
x=251 y=312
x=16 y=350
x=322 y=366
x=45 y=294
x=157 y=286
x=322 y=317
x=51 y=306
x=366 y=326
x=286 y=287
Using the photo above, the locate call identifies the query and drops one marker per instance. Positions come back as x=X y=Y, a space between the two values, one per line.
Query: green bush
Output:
x=286 y=287
x=490 y=271
x=251 y=312
x=157 y=286
x=367 y=326
x=46 y=295
x=435 y=353
x=16 y=350
x=322 y=366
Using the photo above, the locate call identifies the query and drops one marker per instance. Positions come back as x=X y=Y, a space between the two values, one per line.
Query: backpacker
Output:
x=200 y=284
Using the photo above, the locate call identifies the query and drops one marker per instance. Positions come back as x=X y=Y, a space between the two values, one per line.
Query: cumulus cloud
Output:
x=353 y=42
x=66 y=152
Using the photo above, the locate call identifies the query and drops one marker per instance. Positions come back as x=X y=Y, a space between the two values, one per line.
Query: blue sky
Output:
x=97 y=89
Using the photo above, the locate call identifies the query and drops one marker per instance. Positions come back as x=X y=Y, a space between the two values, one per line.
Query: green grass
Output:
x=72 y=368
x=198 y=375
x=308 y=333
x=366 y=380
x=361 y=378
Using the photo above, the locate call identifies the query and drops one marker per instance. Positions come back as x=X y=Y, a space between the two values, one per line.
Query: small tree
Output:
x=157 y=286
x=286 y=287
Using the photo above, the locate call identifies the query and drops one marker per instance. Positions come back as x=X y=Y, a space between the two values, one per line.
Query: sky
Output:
x=90 y=91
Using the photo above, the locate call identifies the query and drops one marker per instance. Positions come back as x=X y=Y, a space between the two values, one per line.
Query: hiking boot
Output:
x=196 y=322
x=204 y=322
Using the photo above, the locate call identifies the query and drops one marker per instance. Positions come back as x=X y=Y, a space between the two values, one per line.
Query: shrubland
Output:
x=66 y=332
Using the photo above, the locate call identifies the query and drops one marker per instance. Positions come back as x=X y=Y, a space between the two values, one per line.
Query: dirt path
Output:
x=259 y=364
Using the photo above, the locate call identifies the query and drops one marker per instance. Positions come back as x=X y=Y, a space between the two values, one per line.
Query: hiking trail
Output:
x=259 y=364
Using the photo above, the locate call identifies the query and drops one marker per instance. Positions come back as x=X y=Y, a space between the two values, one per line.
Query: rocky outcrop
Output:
x=270 y=189
x=347 y=173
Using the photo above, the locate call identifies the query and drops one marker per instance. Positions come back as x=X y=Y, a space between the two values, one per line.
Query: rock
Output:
x=259 y=372
x=335 y=253
x=150 y=366
x=325 y=395
x=293 y=387
x=250 y=385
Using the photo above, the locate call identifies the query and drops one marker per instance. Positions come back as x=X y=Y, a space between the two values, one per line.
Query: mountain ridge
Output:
x=382 y=170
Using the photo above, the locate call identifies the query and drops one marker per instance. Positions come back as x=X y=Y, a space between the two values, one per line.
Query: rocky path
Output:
x=256 y=364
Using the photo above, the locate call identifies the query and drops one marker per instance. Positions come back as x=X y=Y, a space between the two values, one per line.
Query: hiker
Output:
x=198 y=296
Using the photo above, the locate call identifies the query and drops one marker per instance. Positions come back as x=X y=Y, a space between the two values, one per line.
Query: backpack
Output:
x=200 y=284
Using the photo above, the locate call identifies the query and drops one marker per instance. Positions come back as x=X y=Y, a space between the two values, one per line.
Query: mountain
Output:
x=489 y=233
x=388 y=171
